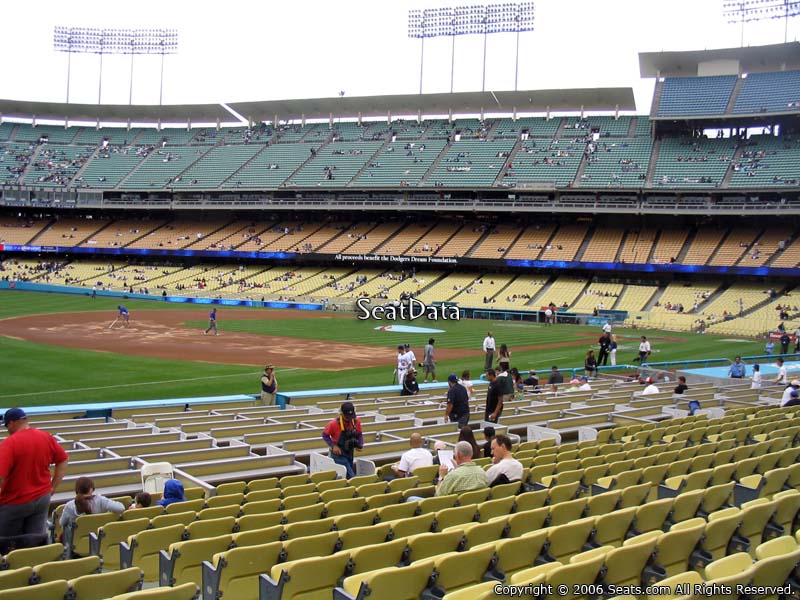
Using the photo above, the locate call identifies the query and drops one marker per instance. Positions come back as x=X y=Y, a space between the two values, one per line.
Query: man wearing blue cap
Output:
x=25 y=481
x=457 y=410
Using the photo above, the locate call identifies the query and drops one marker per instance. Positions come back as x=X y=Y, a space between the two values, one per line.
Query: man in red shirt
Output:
x=25 y=481
x=344 y=434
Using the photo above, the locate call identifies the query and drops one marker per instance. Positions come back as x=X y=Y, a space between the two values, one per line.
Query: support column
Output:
x=219 y=126
x=514 y=113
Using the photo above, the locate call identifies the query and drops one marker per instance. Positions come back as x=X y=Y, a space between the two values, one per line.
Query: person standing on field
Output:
x=212 y=322
x=429 y=362
x=489 y=347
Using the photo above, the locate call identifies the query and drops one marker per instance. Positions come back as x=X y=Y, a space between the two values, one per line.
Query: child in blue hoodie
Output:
x=173 y=492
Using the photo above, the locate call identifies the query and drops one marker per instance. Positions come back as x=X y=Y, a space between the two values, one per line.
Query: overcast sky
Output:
x=239 y=50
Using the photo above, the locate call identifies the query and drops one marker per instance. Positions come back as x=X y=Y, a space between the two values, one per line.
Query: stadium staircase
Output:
x=387 y=142
x=686 y=245
x=509 y=160
x=492 y=129
x=306 y=161
x=376 y=249
x=541 y=296
x=514 y=241
x=656 y=297
x=560 y=131
x=581 y=293
x=132 y=171
x=726 y=180
x=778 y=253
x=45 y=228
x=734 y=95
x=657 y=97
x=243 y=166
x=632 y=127
x=479 y=241
x=505 y=287
x=427 y=131
x=711 y=297
x=79 y=172
x=651 y=167
x=785 y=289
x=581 y=169
x=434 y=165
x=584 y=244
x=452 y=235
x=652 y=252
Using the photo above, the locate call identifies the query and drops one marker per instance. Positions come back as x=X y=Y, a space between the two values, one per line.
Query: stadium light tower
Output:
x=87 y=40
x=470 y=20
x=746 y=11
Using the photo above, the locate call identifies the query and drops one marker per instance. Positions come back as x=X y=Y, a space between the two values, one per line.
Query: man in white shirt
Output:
x=782 y=378
x=787 y=393
x=489 y=348
x=607 y=327
x=411 y=459
x=503 y=461
x=584 y=386
x=650 y=387
x=402 y=364
x=411 y=358
x=644 y=351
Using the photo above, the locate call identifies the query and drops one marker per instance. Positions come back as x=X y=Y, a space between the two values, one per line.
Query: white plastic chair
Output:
x=155 y=475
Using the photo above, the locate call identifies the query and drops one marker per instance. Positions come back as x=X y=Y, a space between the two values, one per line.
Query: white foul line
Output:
x=122 y=385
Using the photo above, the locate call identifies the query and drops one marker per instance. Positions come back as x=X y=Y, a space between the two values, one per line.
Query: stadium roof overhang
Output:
x=535 y=101
x=530 y=101
x=116 y=113
x=751 y=59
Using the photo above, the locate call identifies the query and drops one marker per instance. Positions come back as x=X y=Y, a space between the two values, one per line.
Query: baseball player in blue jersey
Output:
x=124 y=315
x=212 y=322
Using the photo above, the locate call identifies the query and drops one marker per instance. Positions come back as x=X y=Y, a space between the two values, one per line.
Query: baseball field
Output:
x=59 y=349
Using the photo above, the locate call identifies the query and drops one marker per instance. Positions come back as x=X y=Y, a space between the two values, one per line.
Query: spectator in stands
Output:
x=457 y=410
x=756 y=384
x=494 y=400
x=465 y=477
x=417 y=456
x=467 y=383
x=25 y=479
x=782 y=377
x=650 y=387
x=438 y=445
x=532 y=379
x=344 y=436
x=737 y=369
x=505 y=468
x=465 y=434
x=269 y=387
x=141 y=500
x=519 y=385
x=681 y=387
x=173 y=492
x=590 y=364
x=488 y=436
x=555 y=377
x=86 y=502
x=790 y=392
x=584 y=386
x=410 y=385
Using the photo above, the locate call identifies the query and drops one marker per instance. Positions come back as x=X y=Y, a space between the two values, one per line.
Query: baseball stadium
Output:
x=266 y=341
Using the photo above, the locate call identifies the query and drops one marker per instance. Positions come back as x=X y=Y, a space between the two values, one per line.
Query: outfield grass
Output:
x=36 y=374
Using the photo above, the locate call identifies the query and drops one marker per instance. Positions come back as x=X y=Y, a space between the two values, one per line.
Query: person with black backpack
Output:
x=344 y=436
